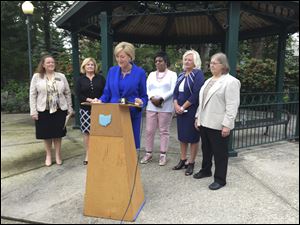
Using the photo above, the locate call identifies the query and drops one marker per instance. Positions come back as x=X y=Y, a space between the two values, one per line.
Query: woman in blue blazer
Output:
x=186 y=101
x=126 y=80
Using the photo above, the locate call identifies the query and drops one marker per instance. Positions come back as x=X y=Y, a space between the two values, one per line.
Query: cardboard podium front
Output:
x=112 y=165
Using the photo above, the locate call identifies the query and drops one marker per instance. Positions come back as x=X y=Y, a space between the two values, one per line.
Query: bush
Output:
x=15 y=97
x=257 y=75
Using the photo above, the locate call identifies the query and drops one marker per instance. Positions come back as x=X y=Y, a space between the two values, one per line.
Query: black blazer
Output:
x=89 y=89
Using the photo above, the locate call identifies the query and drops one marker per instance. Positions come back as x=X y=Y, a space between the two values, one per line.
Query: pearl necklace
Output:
x=160 y=76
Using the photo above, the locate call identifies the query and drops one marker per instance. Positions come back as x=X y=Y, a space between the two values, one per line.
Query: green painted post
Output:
x=231 y=49
x=280 y=69
x=75 y=60
x=297 y=126
x=232 y=40
x=280 y=60
x=106 y=42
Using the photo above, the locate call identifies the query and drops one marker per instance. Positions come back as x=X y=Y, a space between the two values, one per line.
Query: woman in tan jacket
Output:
x=50 y=103
x=219 y=100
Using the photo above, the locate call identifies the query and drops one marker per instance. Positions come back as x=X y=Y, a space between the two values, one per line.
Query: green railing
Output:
x=265 y=118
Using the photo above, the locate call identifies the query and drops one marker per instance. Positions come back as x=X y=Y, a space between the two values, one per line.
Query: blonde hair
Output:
x=127 y=48
x=222 y=59
x=196 y=58
x=86 y=61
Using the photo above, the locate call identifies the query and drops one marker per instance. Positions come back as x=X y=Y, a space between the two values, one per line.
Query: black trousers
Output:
x=214 y=145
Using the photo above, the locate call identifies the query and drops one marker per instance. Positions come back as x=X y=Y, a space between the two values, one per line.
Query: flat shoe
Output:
x=85 y=162
x=215 y=186
x=201 y=174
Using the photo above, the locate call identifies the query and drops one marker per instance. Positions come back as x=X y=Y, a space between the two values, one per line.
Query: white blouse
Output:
x=161 y=88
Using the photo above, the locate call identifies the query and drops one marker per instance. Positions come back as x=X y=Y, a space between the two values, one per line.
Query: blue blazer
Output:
x=135 y=87
x=192 y=88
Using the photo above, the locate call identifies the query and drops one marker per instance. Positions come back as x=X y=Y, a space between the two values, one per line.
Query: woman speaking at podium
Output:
x=126 y=80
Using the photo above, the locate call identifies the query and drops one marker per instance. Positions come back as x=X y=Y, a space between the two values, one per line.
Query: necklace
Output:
x=126 y=72
x=160 y=76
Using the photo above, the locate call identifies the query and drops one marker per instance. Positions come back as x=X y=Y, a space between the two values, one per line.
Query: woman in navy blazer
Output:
x=186 y=101
x=126 y=80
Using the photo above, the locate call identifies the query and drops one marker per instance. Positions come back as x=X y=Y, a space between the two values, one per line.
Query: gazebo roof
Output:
x=175 y=22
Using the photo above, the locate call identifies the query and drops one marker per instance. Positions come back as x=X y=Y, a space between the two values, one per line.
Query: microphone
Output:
x=124 y=101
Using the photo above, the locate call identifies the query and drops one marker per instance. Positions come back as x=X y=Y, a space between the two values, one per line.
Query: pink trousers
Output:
x=162 y=121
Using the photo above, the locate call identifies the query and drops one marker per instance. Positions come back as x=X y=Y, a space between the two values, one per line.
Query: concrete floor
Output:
x=262 y=184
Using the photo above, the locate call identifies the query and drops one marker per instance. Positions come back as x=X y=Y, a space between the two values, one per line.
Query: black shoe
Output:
x=215 y=186
x=180 y=165
x=85 y=162
x=201 y=174
x=190 y=169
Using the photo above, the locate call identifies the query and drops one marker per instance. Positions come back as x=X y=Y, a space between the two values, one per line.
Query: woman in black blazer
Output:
x=89 y=87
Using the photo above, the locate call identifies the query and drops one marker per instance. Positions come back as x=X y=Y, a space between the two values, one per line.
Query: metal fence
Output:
x=265 y=118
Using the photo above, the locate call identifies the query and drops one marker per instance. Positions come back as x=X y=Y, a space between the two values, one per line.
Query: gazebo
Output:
x=180 y=22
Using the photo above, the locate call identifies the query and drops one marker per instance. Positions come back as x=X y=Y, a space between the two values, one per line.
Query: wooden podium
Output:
x=112 y=166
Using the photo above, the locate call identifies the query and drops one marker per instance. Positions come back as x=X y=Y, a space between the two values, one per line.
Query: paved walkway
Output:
x=263 y=183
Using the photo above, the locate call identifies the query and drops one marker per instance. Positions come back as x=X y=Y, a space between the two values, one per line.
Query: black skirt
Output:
x=51 y=125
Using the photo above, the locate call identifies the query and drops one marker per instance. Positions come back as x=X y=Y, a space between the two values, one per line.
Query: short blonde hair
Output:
x=196 y=58
x=127 y=48
x=86 y=61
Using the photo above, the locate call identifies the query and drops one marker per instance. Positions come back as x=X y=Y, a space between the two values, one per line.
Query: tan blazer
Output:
x=38 y=93
x=220 y=107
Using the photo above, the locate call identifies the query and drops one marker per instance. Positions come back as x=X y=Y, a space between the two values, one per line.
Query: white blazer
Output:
x=221 y=104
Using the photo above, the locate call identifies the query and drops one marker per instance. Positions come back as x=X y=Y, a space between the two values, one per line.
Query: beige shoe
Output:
x=162 y=159
x=147 y=158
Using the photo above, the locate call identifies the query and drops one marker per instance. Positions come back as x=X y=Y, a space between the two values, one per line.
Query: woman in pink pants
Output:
x=159 y=111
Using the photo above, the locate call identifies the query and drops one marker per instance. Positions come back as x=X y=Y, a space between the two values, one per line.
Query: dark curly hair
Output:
x=164 y=56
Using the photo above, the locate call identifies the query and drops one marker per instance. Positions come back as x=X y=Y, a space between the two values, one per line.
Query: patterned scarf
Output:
x=189 y=79
x=52 y=95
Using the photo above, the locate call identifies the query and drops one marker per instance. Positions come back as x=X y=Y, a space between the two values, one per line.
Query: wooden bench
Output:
x=269 y=119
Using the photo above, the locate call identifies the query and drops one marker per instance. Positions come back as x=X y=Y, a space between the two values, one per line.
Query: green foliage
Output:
x=257 y=69
x=15 y=97
x=257 y=75
x=14 y=59
x=45 y=37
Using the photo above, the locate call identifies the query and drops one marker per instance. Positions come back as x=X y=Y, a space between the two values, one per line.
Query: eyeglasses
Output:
x=214 y=63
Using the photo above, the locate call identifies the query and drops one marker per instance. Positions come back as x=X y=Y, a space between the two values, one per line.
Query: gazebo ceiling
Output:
x=175 y=22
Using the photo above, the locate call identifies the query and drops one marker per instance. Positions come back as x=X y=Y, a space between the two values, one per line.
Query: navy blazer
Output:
x=192 y=87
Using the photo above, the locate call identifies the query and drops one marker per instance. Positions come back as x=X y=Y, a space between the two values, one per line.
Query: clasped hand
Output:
x=157 y=101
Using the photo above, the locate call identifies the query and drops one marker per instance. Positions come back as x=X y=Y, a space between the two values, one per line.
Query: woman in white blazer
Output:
x=159 y=111
x=50 y=103
x=219 y=99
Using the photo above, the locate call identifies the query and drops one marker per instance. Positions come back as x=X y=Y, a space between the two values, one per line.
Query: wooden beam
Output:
x=106 y=42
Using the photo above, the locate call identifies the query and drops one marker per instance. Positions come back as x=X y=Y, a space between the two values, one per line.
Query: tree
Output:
x=14 y=59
